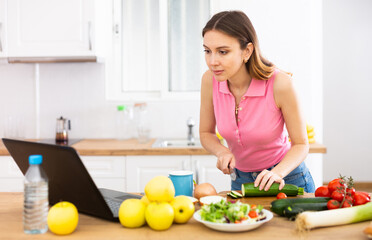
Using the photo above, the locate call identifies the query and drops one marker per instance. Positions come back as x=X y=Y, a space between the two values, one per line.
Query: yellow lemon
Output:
x=63 y=218
x=132 y=213
x=160 y=189
x=159 y=215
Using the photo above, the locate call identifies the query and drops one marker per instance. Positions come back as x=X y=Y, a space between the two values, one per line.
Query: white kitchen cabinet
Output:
x=11 y=177
x=141 y=169
x=3 y=28
x=106 y=171
x=206 y=171
x=39 y=28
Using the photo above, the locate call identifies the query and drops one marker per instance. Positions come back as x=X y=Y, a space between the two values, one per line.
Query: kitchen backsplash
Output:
x=77 y=91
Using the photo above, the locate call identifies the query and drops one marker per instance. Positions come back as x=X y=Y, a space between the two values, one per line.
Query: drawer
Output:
x=105 y=166
x=8 y=168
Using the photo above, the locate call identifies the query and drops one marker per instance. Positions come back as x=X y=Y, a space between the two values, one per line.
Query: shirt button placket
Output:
x=237 y=136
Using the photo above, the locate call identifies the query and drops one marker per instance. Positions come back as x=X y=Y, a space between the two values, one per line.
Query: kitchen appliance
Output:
x=63 y=125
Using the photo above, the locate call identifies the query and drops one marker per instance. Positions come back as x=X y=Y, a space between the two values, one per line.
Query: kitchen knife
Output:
x=232 y=173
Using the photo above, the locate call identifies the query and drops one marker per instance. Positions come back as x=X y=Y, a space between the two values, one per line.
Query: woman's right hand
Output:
x=226 y=162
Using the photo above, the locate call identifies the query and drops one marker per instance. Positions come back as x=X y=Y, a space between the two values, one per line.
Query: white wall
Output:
x=347 y=89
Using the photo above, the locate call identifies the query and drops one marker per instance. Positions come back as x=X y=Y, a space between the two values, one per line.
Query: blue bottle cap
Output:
x=35 y=159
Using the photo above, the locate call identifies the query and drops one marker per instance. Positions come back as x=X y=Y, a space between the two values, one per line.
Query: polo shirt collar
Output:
x=256 y=89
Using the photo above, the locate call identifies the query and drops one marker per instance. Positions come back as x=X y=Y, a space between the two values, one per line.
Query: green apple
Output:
x=63 y=218
x=159 y=215
x=183 y=209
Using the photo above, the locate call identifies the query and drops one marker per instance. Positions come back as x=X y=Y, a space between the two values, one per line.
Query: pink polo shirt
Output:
x=258 y=141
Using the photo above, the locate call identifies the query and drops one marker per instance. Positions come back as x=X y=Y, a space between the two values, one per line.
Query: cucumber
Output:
x=316 y=203
x=249 y=190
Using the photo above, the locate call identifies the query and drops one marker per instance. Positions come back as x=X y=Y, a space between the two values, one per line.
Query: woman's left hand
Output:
x=266 y=178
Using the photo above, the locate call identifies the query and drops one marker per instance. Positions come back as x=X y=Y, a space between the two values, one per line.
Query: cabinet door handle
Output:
x=197 y=166
x=1 y=45
x=90 y=35
x=185 y=164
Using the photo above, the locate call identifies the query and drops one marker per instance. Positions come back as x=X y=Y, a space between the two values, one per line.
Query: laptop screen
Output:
x=69 y=180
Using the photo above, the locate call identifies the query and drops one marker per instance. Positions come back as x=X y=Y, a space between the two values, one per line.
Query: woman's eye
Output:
x=206 y=51
x=223 y=52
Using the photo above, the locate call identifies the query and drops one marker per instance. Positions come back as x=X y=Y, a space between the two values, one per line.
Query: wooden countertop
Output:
x=112 y=147
x=11 y=207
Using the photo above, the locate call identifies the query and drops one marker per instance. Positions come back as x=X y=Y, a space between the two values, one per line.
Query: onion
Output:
x=204 y=189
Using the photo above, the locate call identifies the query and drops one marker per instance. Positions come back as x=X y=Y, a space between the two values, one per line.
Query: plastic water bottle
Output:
x=122 y=123
x=36 y=204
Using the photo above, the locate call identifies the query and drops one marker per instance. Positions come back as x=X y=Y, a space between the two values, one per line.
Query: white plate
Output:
x=234 y=227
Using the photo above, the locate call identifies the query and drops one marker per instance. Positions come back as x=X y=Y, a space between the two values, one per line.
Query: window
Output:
x=157 y=49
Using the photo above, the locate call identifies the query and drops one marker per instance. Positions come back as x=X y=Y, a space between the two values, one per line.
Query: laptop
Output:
x=69 y=180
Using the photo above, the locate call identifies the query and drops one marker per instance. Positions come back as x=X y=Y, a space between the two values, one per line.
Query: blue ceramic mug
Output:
x=183 y=182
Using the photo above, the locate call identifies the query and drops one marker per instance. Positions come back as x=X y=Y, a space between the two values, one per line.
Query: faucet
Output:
x=190 y=135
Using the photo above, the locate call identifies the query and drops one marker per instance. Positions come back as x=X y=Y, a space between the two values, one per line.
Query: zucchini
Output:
x=249 y=190
x=291 y=211
x=232 y=195
x=238 y=194
x=315 y=204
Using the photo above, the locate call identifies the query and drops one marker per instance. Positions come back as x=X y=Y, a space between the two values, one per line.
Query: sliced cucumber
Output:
x=232 y=195
x=238 y=194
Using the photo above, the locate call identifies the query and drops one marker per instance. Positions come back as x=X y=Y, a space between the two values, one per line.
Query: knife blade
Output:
x=232 y=173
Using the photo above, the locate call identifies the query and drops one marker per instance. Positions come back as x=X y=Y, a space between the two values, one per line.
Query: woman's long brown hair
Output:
x=236 y=24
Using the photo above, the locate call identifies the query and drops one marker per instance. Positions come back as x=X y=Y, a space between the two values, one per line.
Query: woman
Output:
x=250 y=100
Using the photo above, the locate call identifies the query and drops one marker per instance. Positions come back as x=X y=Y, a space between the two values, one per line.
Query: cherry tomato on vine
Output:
x=347 y=204
x=360 y=199
x=335 y=184
x=333 y=204
x=322 y=191
x=350 y=191
x=365 y=193
x=337 y=195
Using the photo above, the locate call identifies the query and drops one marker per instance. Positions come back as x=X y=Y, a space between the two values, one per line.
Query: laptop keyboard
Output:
x=114 y=206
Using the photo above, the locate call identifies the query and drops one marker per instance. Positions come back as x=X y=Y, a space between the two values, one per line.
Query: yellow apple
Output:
x=63 y=218
x=160 y=189
x=159 y=215
x=132 y=213
x=183 y=209
x=145 y=200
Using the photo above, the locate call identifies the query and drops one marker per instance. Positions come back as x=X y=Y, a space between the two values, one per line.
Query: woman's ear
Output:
x=248 y=51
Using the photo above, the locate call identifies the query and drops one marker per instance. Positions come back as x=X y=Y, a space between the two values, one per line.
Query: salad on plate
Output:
x=228 y=212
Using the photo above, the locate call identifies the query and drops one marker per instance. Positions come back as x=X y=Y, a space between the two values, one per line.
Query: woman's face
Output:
x=223 y=55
